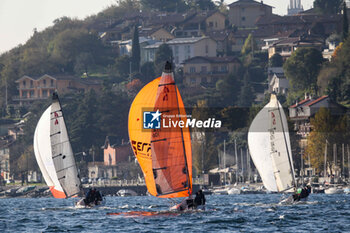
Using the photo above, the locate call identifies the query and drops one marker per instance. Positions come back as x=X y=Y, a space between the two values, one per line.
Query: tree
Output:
x=122 y=66
x=228 y=88
x=328 y=6
x=135 y=51
x=276 y=60
x=147 y=71
x=164 y=5
x=201 y=4
x=83 y=63
x=326 y=129
x=249 y=45
x=345 y=22
x=302 y=68
x=246 y=97
x=163 y=54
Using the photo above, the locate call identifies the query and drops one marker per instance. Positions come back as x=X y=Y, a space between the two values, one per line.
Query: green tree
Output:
x=345 y=22
x=328 y=6
x=326 y=129
x=228 y=88
x=249 y=45
x=122 y=66
x=135 y=51
x=276 y=60
x=246 y=97
x=164 y=5
x=163 y=54
x=201 y=4
x=302 y=68
x=84 y=130
x=147 y=71
x=83 y=63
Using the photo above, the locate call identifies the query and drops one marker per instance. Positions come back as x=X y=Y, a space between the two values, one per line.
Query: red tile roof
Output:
x=300 y=103
x=317 y=100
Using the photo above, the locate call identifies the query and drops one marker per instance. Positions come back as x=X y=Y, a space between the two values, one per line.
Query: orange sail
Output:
x=171 y=147
x=164 y=154
x=140 y=139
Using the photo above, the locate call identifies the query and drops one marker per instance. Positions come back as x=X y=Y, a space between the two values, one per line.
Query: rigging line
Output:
x=285 y=142
x=183 y=145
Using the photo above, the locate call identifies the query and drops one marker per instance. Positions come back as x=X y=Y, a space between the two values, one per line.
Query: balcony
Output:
x=24 y=98
x=207 y=73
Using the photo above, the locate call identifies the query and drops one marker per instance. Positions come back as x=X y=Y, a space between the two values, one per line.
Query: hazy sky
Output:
x=18 y=18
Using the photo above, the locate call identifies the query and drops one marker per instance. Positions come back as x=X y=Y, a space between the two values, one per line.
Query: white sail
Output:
x=62 y=153
x=269 y=145
x=42 y=151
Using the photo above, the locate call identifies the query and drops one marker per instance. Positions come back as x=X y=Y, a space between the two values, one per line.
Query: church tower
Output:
x=295 y=7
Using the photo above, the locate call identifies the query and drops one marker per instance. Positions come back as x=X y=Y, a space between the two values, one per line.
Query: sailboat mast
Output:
x=285 y=142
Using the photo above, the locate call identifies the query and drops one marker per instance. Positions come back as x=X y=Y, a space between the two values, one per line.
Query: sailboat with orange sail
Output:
x=164 y=154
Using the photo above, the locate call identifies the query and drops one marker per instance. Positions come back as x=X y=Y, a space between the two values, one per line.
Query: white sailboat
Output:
x=54 y=153
x=270 y=149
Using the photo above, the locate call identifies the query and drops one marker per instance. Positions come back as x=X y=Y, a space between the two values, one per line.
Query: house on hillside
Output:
x=244 y=13
x=285 y=47
x=200 y=23
x=319 y=24
x=301 y=113
x=206 y=71
x=156 y=33
x=38 y=88
x=279 y=84
x=114 y=154
x=185 y=48
x=5 y=168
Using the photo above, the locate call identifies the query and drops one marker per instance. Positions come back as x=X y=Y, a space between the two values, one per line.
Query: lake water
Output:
x=231 y=213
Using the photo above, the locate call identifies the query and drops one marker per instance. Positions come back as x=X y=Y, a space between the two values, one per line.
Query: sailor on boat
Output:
x=302 y=193
x=93 y=197
x=199 y=200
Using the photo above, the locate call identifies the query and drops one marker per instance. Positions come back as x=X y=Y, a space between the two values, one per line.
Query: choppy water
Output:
x=233 y=213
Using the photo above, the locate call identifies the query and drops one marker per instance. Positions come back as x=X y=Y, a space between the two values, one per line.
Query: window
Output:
x=24 y=94
x=203 y=69
x=243 y=18
x=192 y=69
x=31 y=93
x=51 y=82
x=206 y=49
x=215 y=69
x=24 y=83
x=216 y=24
x=211 y=24
x=223 y=68
x=193 y=80
x=31 y=83
x=44 y=82
x=44 y=93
